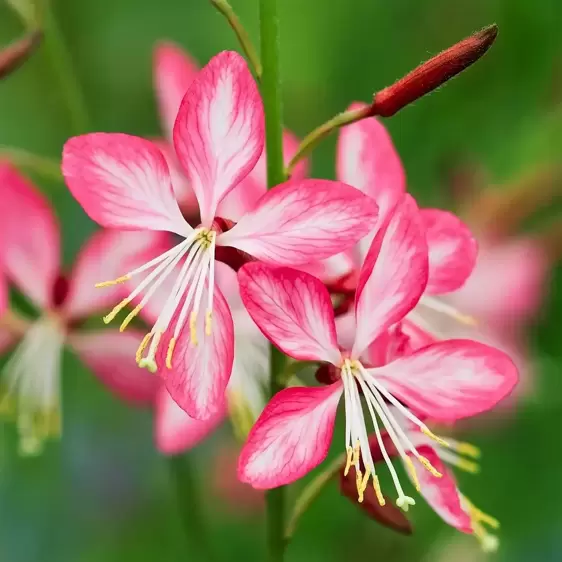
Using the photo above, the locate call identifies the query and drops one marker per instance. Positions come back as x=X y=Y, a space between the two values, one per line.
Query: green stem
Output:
x=61 y=62
x=247 y=46
x=271 y=93
x=310 y=492
x=189 y=505
x=47 y=167
x=321 y=132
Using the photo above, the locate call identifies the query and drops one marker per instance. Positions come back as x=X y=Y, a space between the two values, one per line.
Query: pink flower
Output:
x=443 y=494
x=31 y=377
x=174 y=71
x=367 y=160
x=124 y=182
x=446 y=381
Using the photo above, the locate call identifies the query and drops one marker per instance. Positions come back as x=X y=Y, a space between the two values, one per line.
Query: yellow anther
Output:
x=171 y=347
x=467 y=466
x=358 y=484
x=107 y=319
x=208 y=322
x=378 y=492
x=149 y=362
x=349 y=461
x=436 y=438
x=114 y=282
x=356 y=454
x=467 y=449
x=193 y=327
x=142 y=347
x=466 y=319
x=364 y=483
x=429 y=467
x=129 y=317
x=488 y=542
x=413 y=473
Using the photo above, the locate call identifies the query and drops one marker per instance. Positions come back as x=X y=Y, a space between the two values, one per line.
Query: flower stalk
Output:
x=14 y=55
x=46 y=167
x=424 y=79
x=271 y=94
x=245 y=42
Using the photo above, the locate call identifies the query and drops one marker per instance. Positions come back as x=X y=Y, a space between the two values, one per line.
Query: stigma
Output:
x=355 y=379
x=30 y=385
x=195 y=277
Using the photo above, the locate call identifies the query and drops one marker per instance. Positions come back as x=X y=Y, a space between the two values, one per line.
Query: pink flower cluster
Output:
x=347 y=274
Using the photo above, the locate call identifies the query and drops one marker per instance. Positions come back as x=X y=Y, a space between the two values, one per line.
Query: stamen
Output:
x=426 y=431
x=444 y=308
x=429 y=467
x=117 y=281
x=129 y=317
x=413 y=473
x=142 y=346
x=363 y=484
x=378 y=492
x=208 y=322
x=193 y=327
x=149 y=361
x=488 y=542
x=116 y=310
x=464 y=448
x=349 y=460
x=358 y=484
x=170 y=352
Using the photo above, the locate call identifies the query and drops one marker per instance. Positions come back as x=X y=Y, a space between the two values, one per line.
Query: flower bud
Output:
x=327 y=374
x=15 y=54
x=433 y=73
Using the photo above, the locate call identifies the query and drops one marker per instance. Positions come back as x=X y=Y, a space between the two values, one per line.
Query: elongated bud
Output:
x=15 y=54
x=327 y=374
x=388 y=514
x=433 y=73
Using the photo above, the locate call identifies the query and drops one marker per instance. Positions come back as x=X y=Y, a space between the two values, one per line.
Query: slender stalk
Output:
x=41 y=165
x=271 y=93
x=61 y=62
x=189 y=505
x=314 y=137
x=310 y=492
x=245 y=42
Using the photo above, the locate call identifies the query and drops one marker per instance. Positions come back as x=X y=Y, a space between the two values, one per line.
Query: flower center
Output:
x=30 y=390
x=196 y=272
x=355 y=377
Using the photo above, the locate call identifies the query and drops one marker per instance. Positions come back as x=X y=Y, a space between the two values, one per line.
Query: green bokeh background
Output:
x=103 y=494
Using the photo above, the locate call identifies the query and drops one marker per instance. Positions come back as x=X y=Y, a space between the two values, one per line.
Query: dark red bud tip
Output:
x=60 y=290
x=12 y=56
x=433 y=73
x=387 y=515
x=327 y=374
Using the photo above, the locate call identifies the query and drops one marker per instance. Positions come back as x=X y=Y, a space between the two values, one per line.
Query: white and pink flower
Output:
x=445 y=381
x=123 y=181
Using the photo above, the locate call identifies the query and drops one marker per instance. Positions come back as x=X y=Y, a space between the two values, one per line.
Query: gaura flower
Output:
x=123 y=181
x=174 y=71
x=30 y=380
x=445 y=381
x=443 y=494
x=368 y=160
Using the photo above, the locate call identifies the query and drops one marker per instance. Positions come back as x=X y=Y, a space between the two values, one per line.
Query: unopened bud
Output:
x=15 y=54
x=327 y=374
x=433 y=73
x=388 y=515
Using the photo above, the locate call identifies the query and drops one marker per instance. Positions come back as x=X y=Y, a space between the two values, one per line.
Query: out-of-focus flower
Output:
x=31 y=253
x=174 y=71
x=446 y=381
x=123 y=181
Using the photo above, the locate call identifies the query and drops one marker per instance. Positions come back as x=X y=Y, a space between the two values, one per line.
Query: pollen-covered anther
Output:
x=193 y=327
x=129 y=317
x=117 y=281
x=467 y=449
x=208 y=322
x=149 y=362
x=142 y=346
x=349 y=460
x=429 y=467
x=478 y=518
x=413 y=473
x=116 y=310
x=425 y=430
x=169 y=354
x=378 y=491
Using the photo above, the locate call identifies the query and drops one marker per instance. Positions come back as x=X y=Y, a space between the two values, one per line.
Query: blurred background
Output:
x=487 y=144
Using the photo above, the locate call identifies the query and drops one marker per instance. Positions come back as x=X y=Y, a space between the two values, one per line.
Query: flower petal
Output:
x=106 y=255
x=442 y=494
x=200 y=371
x=174 y=71
x=293 y=310
x=450 y=380
x=452 y=251
x=248 y=192
x=291 y=437
x=393 y=276
x=30 y=237
x=302 y=221
x=122 y=181
x=368 y=160
x=219 y=130
x=110 y=355
x=174 y=431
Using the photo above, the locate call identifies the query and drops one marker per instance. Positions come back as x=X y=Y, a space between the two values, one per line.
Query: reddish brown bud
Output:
x=433 y=73
x=15 y=54
x=388 y=515
x=61 y=287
